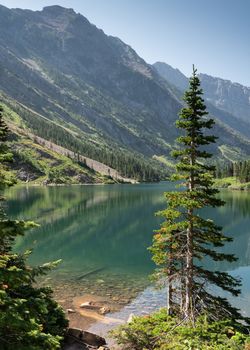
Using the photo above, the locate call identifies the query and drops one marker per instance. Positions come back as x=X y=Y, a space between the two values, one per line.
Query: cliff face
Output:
x=173 y=75
x=231 y=97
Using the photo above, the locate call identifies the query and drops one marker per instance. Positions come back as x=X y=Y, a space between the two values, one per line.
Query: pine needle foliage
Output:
x=185 y=238
x=29 y=317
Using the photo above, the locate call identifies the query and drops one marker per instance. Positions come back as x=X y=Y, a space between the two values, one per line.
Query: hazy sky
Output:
x=212 y=34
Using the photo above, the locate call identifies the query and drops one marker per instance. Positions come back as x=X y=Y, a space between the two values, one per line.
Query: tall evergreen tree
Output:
x=185 y=237
x=29 y=318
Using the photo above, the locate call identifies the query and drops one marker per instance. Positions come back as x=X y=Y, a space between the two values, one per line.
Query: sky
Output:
x=212 y=34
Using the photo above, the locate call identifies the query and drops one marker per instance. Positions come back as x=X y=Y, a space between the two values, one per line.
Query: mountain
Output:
x=227 y=101
x=231 y=97
x=60 y=64
x=172 y=75
x=91 y=93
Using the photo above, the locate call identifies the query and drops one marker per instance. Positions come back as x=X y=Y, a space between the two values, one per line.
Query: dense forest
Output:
x=240 y=170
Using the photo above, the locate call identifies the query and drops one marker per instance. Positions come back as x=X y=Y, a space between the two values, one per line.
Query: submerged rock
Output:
x=89 y=305
x=104 y=310
x=71 y=311
x=86 y=304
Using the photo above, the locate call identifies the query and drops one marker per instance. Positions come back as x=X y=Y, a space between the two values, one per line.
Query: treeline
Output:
x=127 y=163
x=240 y=170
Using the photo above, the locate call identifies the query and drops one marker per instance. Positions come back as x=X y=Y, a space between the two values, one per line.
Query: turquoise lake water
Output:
x=101 y=233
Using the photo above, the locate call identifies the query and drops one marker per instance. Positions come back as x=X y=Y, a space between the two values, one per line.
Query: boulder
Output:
x=104 y=310
x=71 y=311
x=88 y=305
x=86 y=337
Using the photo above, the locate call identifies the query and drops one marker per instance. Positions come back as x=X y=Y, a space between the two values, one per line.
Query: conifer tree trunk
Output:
x=190 y=253
x=189 y=271
x=170 y=291
x=182 y=290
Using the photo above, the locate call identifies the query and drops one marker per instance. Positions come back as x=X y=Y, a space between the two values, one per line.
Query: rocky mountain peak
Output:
x=231 y=97
x=172 y=75
x=59 y=17
x=57 y=10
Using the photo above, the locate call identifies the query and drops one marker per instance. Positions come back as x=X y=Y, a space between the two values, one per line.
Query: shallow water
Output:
x=101 y=233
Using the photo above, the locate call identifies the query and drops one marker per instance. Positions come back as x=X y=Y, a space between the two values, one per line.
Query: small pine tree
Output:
x=185 y=238
x=29 y=318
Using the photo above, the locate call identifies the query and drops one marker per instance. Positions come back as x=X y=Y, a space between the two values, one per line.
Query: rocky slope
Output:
x=231 y=97
x=172 y=75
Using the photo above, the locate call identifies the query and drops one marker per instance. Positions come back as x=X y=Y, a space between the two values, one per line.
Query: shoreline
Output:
x=229 y=188
x=232 y=184
x=240 y=188
x=22 y=184
x=86 y=310
x=38 y=184
x=94 y=300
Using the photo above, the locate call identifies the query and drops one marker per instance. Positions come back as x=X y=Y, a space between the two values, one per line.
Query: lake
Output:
x=102 y=233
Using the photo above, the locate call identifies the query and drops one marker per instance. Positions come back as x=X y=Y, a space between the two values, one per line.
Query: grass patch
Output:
x=225 y=182
x=165 y=161
x=231 y=183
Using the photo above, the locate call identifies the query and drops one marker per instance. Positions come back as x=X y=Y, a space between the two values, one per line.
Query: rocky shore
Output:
x=87 y=310
x=93 y=301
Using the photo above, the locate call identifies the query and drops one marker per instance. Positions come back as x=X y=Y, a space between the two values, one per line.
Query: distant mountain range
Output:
x=228 y=101
x=72 y=84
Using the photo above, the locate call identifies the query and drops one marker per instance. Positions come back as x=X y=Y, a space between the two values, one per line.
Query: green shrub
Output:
x=162 y=332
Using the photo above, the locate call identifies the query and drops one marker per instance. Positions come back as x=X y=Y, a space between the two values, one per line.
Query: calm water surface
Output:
x=101 y=233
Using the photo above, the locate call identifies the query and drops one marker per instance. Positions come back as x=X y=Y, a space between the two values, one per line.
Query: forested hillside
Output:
x=43 y=161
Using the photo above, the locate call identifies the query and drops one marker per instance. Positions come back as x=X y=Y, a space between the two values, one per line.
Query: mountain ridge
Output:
x=217 y=90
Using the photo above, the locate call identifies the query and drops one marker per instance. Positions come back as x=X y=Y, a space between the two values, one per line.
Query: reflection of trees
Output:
x=234 y=217
x=238 y=202
x=92 y=226
x=40 y=203
x=97 y=225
